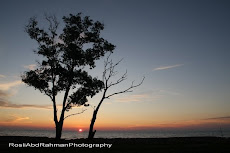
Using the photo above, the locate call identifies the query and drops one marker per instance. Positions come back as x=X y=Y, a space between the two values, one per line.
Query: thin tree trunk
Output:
x=91 y=132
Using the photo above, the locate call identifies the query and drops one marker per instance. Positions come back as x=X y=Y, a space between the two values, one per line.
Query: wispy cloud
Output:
x=6 y=104
x=7 y=86
x=19 y=118
x=133 y=98
x=16 y=118
x=30 y=67
x=6 y=92
x=3 y=94
x=169 y=92
x=167 y=67
x=2 y=76
x=217 y=118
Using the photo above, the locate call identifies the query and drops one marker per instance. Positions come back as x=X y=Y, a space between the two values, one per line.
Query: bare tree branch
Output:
x=53 y=23
x=75 y=113
x=109 y=72
x=126 y=90
x=122 y=78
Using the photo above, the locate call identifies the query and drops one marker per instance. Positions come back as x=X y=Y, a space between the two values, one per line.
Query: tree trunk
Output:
x=91 y=131
x=59 y=125
x=59 y=130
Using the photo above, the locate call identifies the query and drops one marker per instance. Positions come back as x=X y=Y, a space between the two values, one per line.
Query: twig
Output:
x=126 y=90
x=76 y=113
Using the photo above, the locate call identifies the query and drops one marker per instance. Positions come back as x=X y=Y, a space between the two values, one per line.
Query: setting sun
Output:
x=80 y=130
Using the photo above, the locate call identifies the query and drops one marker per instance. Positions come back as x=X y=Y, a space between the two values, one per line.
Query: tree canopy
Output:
x=65 y=57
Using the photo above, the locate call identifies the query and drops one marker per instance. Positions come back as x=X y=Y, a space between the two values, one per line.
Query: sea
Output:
x=118 y=134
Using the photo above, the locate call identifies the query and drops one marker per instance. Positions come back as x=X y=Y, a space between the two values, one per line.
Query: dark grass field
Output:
x=133 y=145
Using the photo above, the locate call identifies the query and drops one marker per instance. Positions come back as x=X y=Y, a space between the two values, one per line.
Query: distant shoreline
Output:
x=142 y=145
x=117 y=134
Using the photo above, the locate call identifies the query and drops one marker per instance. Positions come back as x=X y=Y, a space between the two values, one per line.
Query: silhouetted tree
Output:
x=109 y=72
x=65 y=59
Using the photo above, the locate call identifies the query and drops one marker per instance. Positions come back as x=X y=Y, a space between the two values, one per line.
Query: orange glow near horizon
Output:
x=180 y=125
x=106 y=120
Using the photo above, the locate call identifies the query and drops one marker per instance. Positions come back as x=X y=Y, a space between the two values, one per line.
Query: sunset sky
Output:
x=182 y=47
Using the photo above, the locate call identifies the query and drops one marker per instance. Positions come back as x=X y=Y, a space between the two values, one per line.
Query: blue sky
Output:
x=180 y=46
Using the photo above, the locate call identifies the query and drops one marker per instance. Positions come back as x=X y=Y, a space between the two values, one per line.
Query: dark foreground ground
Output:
x=133 y=145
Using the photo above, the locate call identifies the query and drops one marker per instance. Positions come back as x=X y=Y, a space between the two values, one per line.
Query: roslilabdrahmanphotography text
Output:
x=50 y=145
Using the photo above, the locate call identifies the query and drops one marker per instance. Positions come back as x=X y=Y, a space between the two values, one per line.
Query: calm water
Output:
x=117 y=134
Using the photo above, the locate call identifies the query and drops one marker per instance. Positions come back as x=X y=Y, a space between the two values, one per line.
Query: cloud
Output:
x=3 y=94
x=30 y=67
x=217 y=118
x=133 y=98
x=7 y=86
x=167 y=67
x=146 y=96
x=168 y=92
x=16 y=118
x=6 y=93
x=6 y=104
x=2 y=76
